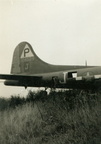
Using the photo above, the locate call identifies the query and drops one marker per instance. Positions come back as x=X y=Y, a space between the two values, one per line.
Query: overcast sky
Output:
x=60 y=32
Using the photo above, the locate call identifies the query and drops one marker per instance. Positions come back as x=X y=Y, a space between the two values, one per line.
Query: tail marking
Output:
x=26 y=52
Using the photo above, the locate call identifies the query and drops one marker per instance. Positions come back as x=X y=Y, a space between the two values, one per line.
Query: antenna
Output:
x=86 y=63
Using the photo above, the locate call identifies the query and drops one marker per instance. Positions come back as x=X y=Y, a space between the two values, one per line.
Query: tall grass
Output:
x=68 y=117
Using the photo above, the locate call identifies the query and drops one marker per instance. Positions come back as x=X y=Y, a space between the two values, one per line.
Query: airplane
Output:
x=28 y=70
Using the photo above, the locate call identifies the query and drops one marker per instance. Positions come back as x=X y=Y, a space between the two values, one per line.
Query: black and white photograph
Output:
x=50 y=71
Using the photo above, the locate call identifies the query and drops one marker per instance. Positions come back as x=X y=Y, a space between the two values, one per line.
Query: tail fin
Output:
x=26 y=61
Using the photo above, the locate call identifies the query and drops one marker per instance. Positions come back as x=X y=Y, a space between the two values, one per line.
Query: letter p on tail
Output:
x=23 y=59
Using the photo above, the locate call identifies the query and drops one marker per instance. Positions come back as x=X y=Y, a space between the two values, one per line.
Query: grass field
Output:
x=68 y=117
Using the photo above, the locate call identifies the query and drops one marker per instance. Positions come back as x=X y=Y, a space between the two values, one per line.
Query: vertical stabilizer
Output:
x=25 y=62
x=23 y=59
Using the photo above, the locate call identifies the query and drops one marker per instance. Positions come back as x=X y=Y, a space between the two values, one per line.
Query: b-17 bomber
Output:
x=28 y=70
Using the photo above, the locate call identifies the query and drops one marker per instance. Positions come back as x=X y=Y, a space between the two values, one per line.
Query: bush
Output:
x=4 y=104
x=69 y=117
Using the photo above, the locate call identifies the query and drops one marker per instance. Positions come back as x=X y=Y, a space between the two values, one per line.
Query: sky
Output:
x=60 y=32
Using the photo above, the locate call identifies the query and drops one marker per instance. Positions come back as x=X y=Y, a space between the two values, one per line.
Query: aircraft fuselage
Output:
x=86 y=78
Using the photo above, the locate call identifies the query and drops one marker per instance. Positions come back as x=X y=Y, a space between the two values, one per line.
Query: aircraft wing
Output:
x=19 y=77
x=20 y=80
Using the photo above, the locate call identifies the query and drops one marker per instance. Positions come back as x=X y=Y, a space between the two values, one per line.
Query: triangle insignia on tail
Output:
x=27 y=52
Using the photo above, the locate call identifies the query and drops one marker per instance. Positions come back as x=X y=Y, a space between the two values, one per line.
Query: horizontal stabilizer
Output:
x=19 y=77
